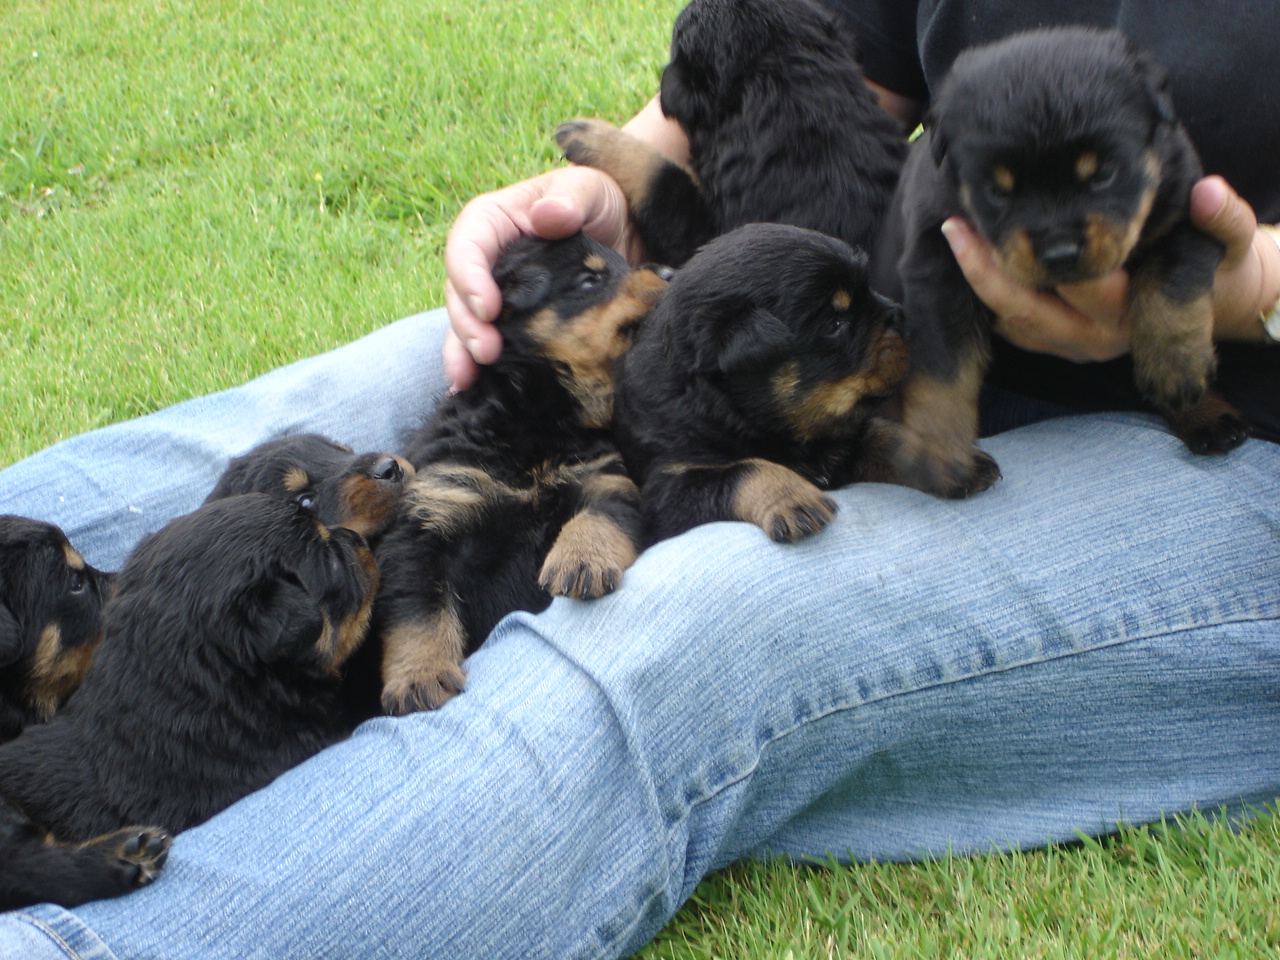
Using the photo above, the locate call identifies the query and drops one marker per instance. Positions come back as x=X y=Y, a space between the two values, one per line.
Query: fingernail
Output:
x=476 y=306
x=955 y=236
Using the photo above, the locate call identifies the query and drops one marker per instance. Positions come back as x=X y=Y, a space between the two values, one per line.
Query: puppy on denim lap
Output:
x=757 y=383
x=218 y=670
x=519 y=494
x=781 y=128
x=50 y=620
x=1062 y=148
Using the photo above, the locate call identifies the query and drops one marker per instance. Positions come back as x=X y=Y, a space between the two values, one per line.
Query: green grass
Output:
x=195 y=191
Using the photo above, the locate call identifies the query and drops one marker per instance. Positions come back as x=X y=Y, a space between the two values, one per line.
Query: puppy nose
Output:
x=1061 y=257
x=387 y=469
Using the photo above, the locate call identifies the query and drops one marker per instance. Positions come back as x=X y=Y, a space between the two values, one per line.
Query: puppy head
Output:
x=717 y=45
x=50 y=620
x=251 y=580
x=1052 y=138
x=572 y=305
x=782 y=320
x=357 y=491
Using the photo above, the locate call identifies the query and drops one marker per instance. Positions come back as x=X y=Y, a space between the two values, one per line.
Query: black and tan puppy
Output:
x=1062 y=148
x=50 y=620
x=520 y=494
x=781 y=127
x=358 y=491
x=755 y=383
x=218 y=671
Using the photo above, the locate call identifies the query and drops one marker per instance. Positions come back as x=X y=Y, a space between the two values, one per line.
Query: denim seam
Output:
x=51 y=933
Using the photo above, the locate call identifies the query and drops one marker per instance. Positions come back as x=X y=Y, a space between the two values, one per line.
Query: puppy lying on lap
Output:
x=218 y=670
x=519 y=494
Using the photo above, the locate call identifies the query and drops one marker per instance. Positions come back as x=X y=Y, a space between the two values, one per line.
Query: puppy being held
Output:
x=218 y=670
x=756 y=384
x=1062 y=148
x=50 y=620
x=520 y=494
x=781 y=128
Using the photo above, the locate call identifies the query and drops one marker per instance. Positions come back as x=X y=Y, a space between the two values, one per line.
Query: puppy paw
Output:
x=587 y=142
x=953 y=475
x=134 y=856
x=588 y=558
x=783 y=504
x=429 y=688
x=1210 y=426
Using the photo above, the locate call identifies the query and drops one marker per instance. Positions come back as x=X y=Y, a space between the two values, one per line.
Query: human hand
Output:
x=555 y=204
x=1085 y=321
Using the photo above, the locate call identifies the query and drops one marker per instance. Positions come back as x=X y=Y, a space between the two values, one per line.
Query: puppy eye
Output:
x=588 y=280
x=1104 y=178
x=305 y=501
x=78 y=583
x=996 y=194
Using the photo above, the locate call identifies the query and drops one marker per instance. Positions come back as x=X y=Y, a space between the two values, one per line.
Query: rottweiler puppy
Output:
x=520 y=494
x=50 y=620
x=757 y=383
x=781 y=126
x=218 y=670
x=1062 y=148
x=358 y=491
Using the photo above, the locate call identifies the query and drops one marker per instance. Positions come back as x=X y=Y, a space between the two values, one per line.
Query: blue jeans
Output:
x=1096 y=639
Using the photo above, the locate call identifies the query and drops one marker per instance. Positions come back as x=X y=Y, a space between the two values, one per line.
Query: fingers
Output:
x=1220 y=212
x=1080 y=322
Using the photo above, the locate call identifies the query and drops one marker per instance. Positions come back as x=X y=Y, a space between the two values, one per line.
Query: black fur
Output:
x=519 y=494
x=217 y=672
x=1062 y=148
x=755 y=383
x=781 y=127
x=50 y=620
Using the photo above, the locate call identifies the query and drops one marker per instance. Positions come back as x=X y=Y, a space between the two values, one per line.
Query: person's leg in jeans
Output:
x=1095 y=639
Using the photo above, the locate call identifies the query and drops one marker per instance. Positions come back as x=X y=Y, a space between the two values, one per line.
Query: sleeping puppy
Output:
x=755 y=384
x=1061 y=147
x=217 y=672
x=519 y=494
x=781 y=127
x=50 y=620
x=358 y=491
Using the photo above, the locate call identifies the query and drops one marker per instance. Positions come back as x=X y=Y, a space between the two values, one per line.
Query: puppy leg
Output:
x=668 y=208
x=601 y=540
x=39 y=869
x=1171 y=316
x=786 y=506
x=422 y=661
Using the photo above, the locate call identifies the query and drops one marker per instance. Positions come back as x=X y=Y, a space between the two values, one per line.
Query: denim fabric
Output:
x=1095 y=639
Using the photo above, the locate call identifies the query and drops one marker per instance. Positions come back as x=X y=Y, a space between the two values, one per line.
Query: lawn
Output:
x=195 y=191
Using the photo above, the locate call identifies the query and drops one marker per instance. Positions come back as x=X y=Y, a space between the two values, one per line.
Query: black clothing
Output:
x=1225 y=80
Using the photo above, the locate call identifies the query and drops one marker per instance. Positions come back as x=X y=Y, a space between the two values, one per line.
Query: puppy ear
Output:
x=289 y=620
x=937 y=138
x=524 y=285
x=755 y=343
x=10 y=638
x=1155 y=83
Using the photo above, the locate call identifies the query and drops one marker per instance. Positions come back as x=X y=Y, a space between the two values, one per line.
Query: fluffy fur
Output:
x=218 y=671
x=754 y=385
x=519 y=494
x=1062 y=148
x=50 y=620
x=781 y=126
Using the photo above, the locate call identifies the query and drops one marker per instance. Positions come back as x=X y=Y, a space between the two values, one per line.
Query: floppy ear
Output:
x=10 y=638
x=288 y=622
x=524 y=286
x=937 y=139
x=1155 y=83
x=756 y=342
